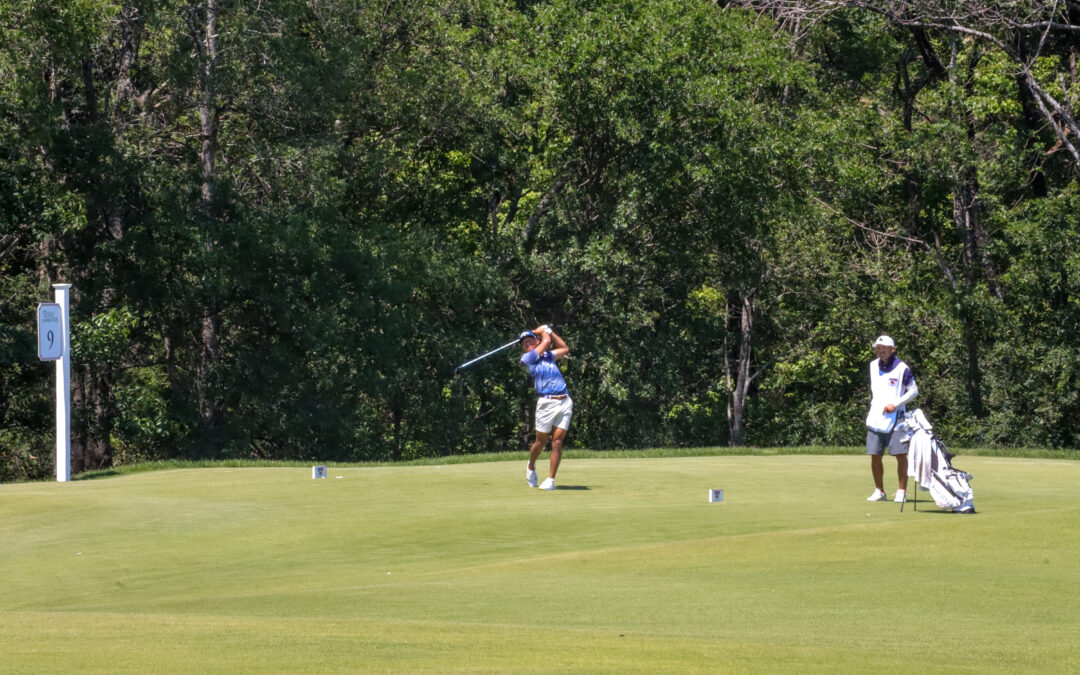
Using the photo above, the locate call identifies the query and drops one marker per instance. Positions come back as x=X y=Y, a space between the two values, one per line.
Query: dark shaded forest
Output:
x=287 y=221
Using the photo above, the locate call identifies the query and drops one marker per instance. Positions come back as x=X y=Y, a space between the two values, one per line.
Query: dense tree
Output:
x=961 y=150
x=287 y=221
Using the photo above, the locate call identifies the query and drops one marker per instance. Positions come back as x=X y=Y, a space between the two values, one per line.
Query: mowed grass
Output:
x=626 y=567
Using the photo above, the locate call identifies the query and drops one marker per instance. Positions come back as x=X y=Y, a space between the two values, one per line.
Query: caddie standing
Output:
x=891 y=386
x=554 y=407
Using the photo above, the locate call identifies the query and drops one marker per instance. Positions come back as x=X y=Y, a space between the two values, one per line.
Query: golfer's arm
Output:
x=560 y=349
x=545 y=343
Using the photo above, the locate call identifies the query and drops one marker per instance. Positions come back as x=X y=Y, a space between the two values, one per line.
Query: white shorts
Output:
x=553 y=412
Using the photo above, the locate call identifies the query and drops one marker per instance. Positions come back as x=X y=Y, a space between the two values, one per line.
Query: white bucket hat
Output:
x=884 y=340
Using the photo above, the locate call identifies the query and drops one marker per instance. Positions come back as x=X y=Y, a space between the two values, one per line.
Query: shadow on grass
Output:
x=98 y=473
x=572 y=487
x=940 y=512
x=934 y=509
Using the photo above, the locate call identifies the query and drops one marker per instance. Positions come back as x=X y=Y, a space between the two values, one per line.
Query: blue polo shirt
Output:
x=545 y=375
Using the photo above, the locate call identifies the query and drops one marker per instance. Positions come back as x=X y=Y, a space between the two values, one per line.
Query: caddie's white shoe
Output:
x=548 y=484
x=530 y=476
x=878 y=496
x=901 y=496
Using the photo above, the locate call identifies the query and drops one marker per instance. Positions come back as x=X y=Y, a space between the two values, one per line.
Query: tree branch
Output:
x=867 y=227
x=1042 y=98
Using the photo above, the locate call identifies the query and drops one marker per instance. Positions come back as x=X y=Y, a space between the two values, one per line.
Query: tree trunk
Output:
x=172 y=375
x=126 y=61
x=974 y=380
x=79 y=428
x=209 y=408
x=99 y=451
x=399 y=442
x=737 y=402
x=967 y=217
x=91 y=434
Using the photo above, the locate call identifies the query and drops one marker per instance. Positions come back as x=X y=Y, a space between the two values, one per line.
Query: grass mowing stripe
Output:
x=89 y=644
x=462 y=568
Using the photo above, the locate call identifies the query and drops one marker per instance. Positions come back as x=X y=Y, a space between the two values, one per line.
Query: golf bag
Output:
x=929 y=464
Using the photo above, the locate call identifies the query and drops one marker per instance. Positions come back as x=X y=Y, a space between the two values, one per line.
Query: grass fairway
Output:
x=461 y=567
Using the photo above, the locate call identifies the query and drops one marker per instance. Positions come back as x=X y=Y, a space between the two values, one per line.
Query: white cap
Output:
x=884 y=340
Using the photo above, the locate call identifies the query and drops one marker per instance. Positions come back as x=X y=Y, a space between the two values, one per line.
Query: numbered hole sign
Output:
x=50 y=345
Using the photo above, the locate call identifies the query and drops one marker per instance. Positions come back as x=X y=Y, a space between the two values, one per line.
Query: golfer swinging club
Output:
x=554 y=407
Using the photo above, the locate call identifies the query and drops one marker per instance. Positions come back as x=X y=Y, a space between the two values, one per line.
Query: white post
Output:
x=63 y=387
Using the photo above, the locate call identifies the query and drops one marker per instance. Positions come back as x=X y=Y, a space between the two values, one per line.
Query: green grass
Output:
x=460 y=567
x=646 y=453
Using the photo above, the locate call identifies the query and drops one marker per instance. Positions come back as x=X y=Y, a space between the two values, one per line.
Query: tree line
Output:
x=287 y=221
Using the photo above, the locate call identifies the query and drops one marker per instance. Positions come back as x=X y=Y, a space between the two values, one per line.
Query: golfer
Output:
x=554 y=407
x=891 y=386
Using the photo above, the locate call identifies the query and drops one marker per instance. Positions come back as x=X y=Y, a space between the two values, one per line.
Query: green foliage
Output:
x=395 y=189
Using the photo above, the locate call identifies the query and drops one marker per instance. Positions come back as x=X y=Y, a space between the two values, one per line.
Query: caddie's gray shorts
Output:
x=876 y=442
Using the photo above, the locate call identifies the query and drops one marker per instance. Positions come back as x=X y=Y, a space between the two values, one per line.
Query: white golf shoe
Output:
x=878 y=496
x=548 y=484
x=530 y=477
x=901 y=496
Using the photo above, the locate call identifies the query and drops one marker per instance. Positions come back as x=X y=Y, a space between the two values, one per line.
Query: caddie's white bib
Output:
x=885 y=388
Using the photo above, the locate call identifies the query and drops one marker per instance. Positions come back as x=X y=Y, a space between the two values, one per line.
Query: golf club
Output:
x=479 y=358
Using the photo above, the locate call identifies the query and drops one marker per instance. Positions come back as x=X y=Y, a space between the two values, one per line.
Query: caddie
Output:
x=891 y=387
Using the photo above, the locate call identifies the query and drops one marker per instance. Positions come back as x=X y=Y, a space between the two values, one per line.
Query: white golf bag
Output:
x=928 y=464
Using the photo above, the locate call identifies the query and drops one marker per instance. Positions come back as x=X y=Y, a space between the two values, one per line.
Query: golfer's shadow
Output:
x=572 y=487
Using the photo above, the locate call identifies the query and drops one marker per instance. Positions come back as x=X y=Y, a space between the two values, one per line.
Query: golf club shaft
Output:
x=493 y=351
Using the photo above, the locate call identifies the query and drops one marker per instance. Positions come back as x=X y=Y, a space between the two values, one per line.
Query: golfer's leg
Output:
x=537 y=448
x=556 y=449
x=901 y=471
x=877 y=467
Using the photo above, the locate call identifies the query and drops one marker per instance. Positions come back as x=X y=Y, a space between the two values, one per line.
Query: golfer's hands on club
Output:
x=551 y=340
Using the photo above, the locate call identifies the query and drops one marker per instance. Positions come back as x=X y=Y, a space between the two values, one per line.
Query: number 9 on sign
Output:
x=50 y=346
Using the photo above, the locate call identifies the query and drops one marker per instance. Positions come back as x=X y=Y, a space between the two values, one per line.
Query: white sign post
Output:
x=48 y=346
